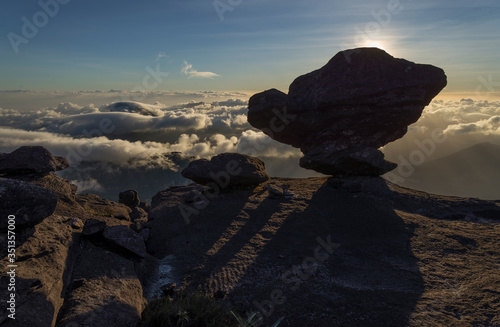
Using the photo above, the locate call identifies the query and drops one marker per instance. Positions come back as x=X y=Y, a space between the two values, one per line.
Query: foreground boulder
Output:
x=29 y=160
x=341 y=114
x=77 y=262
x=227 y=170
x=30 y=204
x=40 y=273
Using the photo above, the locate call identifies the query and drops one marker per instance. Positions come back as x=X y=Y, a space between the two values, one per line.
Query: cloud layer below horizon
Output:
x=130 y=134
x=123 y=131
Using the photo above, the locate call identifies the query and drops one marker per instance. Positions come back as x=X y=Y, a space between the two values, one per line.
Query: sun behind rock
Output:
x=341 y=114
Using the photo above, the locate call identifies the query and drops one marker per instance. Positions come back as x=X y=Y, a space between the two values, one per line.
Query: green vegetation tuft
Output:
x=186 y=310
x=193 y=310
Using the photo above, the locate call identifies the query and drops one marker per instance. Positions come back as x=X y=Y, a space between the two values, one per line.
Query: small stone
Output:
x=274 y=191
x=76 y=223
x=279 y=191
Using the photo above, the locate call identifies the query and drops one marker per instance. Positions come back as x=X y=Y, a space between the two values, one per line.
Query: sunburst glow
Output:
x=375 y=44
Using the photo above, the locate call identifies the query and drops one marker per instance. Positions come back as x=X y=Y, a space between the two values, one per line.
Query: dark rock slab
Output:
x=93 y=227
x=125 y=238
x=106 y=291
x=29 y=160
x=41 y=273
x=30 y=204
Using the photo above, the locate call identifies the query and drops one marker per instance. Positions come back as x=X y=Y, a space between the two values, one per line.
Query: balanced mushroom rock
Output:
x=341 y=114
x=227 y=170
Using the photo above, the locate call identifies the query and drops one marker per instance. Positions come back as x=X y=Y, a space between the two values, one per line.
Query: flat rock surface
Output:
x=342 y=252
x=40 y=274
x=29 y=203
x=105 y=291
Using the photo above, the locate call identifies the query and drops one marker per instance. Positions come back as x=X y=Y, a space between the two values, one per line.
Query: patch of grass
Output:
x=194 y=310
x=101 y=211
x=186 y=310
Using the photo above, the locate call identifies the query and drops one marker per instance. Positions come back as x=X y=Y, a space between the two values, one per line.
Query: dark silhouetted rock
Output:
x=144 y=205
x=341 y=114
x=30 y=204
x=129 y=198
x=227 y=170
x=29 y=160
x=93 y=227
x=139 y=214
x=123 y=237
x=139 y=217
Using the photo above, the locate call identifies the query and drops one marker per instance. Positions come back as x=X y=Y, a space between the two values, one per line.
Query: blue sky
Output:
x=259 y=44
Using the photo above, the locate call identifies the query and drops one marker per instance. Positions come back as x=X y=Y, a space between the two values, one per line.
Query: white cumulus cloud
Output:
x=187 y=69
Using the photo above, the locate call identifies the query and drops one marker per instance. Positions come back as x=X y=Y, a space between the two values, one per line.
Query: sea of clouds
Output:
x=459 y=124
x=135 y=134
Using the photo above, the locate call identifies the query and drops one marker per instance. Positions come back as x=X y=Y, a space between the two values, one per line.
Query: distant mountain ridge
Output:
x=473 y=171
